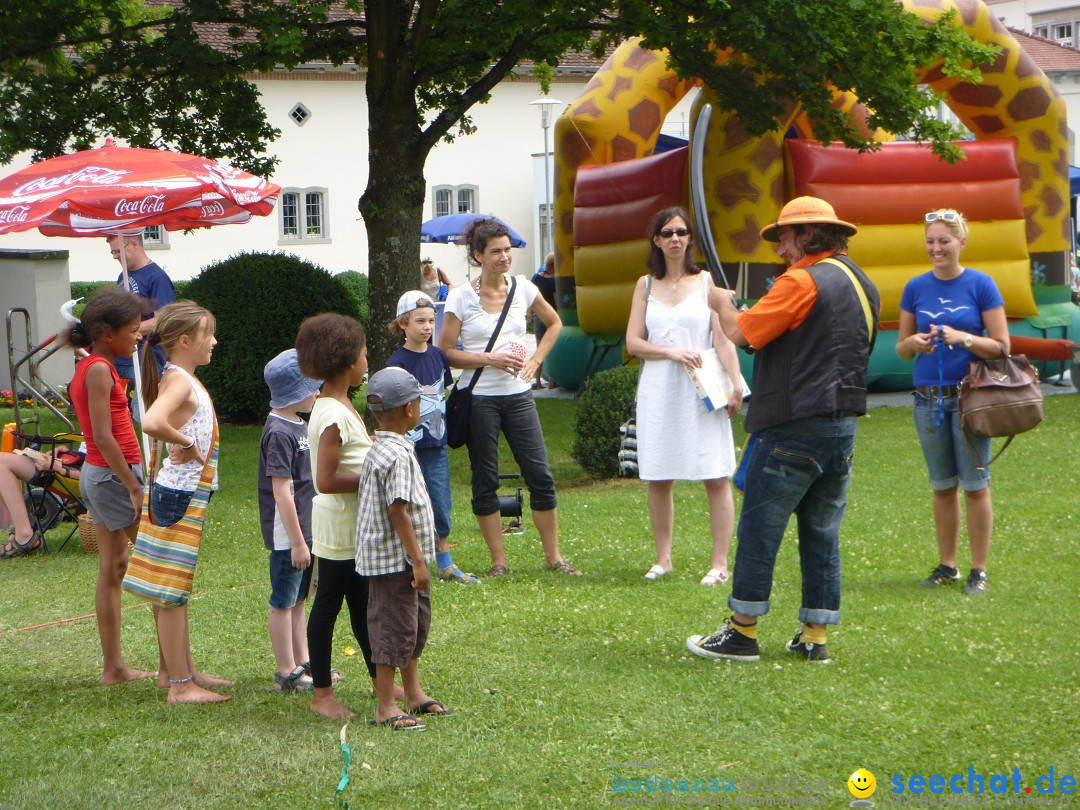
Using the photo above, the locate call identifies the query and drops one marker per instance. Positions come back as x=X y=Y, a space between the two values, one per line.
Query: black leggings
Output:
x=337 y=579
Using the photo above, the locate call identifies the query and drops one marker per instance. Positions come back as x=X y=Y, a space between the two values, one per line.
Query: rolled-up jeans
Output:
x=803 y=468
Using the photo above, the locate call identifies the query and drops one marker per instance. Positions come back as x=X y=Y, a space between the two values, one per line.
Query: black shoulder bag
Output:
x=459 y=403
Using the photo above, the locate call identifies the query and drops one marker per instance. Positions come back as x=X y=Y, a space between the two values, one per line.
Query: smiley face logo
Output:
x=862 y=784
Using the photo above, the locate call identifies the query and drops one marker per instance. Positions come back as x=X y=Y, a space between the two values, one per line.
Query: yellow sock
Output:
x=748 y=630
x=813 y=634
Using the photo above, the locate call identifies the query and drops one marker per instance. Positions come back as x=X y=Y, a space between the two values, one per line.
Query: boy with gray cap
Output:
x=395 y=538
x=285 y=493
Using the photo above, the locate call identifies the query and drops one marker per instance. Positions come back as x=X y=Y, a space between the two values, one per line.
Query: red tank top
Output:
x=122 y=428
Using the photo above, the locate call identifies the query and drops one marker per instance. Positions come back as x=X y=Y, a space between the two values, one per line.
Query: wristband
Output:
x=187 y=446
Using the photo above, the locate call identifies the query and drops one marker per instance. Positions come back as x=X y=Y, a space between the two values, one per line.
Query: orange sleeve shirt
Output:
x=784 y=307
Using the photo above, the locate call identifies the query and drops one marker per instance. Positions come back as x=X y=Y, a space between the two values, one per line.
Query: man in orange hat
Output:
x=812 y=333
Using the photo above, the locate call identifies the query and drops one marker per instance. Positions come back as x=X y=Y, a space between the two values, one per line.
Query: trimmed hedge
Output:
x=607 y=402
x=356 y=286
x=259 y=300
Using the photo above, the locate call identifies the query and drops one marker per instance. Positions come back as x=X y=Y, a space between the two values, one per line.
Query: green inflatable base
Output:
x=567 y=362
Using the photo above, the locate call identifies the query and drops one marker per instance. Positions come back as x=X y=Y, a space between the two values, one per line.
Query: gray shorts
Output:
x=106 y=496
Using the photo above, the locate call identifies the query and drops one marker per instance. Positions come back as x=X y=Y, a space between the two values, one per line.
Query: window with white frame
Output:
x=155 y=237
x=447 y=200
x=1042 y=31
x=1062 y=32
x=303 y=215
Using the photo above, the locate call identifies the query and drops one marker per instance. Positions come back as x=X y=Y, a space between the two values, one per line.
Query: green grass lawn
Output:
x=553 y=680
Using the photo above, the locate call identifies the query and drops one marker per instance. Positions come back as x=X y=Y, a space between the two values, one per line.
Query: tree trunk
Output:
x=392 y=207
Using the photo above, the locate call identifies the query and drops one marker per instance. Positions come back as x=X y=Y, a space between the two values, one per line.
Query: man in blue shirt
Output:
x=147 y=280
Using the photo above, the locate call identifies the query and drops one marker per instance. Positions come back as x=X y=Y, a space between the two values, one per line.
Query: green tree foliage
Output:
x=149 y=75
x=607 y=402
x=259 y=300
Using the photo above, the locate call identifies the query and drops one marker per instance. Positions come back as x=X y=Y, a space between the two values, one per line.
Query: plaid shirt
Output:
x=391 y=473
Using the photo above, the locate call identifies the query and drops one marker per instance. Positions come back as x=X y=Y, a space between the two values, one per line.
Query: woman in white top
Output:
x=678 y=439
x=179 y=411
x=502 y=396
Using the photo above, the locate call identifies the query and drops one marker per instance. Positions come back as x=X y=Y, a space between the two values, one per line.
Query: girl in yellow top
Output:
x=333 y=348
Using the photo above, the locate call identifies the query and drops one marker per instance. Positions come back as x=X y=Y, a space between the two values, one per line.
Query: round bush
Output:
x=259 y=300
x=356 y=286
x=607 y=402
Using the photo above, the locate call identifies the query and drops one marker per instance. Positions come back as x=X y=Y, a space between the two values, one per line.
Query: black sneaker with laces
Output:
x=814 y=653
x=727 y=642
x=976 y=582
x=942 y=575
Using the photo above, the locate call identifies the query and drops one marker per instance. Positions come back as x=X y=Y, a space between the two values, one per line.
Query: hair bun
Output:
x=77 y=330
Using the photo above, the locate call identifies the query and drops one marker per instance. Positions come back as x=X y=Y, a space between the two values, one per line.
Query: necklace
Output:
x=675 y=281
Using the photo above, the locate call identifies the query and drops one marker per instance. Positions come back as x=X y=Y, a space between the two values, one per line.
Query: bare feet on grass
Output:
x=124 y=674
x=190 y=692
x=327 y=704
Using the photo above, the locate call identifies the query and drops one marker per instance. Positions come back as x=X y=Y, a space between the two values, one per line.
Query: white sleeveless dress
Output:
x=677 y=438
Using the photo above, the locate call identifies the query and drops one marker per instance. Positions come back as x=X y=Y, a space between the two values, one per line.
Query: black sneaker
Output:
x=727 y=642
x=942 y=575
x=976 y=582
x=814 y=653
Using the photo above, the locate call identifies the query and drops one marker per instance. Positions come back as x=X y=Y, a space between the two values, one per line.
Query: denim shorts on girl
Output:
x=948 y=458
x=288 y=585
x=106 y=496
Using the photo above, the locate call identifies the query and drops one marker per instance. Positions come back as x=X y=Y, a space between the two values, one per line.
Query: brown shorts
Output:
x=398 y=619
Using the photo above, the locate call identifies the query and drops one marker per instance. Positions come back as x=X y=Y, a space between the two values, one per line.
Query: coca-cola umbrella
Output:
x=120 y=190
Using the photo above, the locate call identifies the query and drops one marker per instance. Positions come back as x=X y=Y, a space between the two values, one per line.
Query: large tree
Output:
x=173 y=72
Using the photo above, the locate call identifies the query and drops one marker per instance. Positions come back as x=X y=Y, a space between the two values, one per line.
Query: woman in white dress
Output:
x=677 y=438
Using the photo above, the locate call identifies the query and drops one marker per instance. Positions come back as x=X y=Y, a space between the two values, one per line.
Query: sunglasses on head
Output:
x=667 y=233
x=947 y=216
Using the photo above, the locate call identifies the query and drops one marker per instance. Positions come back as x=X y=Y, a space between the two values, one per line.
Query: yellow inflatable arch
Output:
x=618 y=117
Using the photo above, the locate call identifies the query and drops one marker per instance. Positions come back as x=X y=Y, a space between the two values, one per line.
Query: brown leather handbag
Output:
x=999 y=397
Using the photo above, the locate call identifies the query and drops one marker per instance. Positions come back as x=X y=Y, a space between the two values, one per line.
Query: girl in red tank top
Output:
x=111 y=481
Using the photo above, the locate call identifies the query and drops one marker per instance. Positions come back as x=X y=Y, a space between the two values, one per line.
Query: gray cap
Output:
x=287 y=385
x=391 y=388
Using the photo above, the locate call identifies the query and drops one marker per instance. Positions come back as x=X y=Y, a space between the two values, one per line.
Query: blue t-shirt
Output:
x=960 y=303
x=153 y=284
x=432 y=371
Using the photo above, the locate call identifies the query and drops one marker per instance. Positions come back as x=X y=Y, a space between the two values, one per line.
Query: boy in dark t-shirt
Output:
x=285 y=493
x=415 y=322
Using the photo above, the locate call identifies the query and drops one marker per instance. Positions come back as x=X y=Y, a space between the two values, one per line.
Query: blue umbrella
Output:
x=451 y=229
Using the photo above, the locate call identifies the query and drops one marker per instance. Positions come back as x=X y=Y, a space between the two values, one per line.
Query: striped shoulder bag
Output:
x=162 y=566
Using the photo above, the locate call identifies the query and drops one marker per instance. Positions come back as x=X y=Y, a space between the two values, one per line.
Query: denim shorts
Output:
x=288 y=585
x=435 y=465
x=169 y=505
x=948 y=458
x=106 y=496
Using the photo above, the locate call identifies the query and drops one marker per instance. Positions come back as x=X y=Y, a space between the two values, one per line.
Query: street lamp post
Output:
x=546 y=106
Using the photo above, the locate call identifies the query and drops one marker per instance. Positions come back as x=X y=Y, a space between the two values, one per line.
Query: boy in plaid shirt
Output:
x=395 y=538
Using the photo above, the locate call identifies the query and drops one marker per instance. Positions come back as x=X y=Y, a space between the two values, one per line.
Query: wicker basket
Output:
x=88 y=535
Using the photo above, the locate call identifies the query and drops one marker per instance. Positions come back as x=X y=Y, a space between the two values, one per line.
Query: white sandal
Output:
x=714 y=577
x=654 y=573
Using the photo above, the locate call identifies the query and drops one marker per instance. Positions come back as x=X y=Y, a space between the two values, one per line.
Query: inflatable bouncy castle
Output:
x=610 y=178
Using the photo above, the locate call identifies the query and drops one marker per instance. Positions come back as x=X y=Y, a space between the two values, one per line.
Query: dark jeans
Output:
x=801 y=468
x=337 y=580
x=515 y=416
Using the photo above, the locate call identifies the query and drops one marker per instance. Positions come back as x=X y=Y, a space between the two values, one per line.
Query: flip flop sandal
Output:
x=714 y=577
x=400 y=722
x=287 y=684
x=654 y=573
x=563 y=567
x=31 y=546
x=335 y=676
x=427 y=708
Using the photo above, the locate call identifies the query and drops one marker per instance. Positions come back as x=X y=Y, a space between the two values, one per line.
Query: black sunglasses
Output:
x=667 y=233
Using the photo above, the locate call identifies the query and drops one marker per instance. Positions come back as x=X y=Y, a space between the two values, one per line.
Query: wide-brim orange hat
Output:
x=806 y=211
